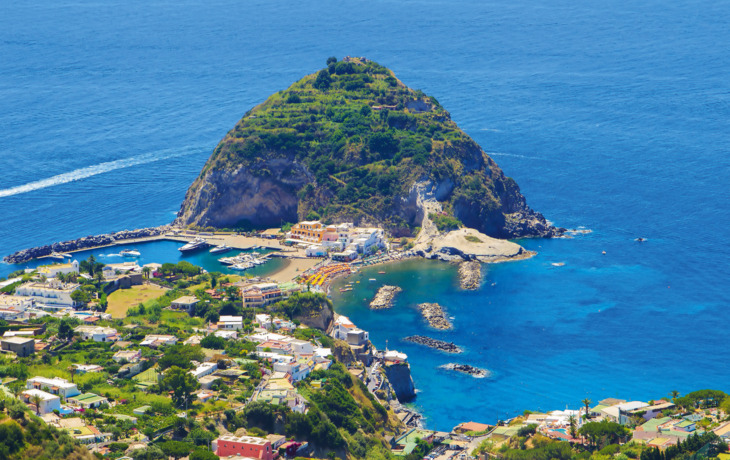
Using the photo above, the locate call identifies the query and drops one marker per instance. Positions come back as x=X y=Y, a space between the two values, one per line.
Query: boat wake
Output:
x=101 y=168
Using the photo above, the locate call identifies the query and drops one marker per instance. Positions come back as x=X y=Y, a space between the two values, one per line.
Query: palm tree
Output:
x=146 y=271
x=92 y=265
x=674 y=394
x=587 y=402
x=71 y=370
x=573 y=431
x=61 y=277
x=36 y=400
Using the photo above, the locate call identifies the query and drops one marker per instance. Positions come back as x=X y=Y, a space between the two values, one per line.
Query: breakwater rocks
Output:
x=384 y=298
x=84 y=243
x=434 y=314
x=448 y=347
x=467 y=369
x=470 y=275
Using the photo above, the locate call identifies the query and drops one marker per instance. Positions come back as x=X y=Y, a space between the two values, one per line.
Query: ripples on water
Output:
x=613 y=116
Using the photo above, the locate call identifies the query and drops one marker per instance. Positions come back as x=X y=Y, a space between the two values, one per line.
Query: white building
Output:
x=130 y=356
x=155 y=341
x=56 y=386
x=15 y=302
x=204 y=369
x=316 y=250
x=228 y=335
x=230 y=323
x=97 y=333
x=52 y=292
x=48 y=402
x=263 y=320
x=50 y=271
x=297 y=368
x=186 y=303
x=341 y=326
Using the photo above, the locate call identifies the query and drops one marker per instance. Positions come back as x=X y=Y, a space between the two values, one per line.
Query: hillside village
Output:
x=225 y=366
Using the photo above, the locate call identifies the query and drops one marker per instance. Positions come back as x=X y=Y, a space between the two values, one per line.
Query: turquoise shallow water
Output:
x=609 y=115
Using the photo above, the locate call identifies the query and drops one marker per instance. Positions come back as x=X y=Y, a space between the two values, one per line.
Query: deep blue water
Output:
x=610 y=115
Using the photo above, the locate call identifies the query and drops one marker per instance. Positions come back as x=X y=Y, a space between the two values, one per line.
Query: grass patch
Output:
x=121 y=299
x=473 y=239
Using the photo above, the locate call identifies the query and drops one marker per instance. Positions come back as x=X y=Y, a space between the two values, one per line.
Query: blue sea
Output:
x=614 y=116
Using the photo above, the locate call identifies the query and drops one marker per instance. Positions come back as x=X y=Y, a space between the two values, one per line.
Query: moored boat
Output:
x=220 y=249
x=197 y=243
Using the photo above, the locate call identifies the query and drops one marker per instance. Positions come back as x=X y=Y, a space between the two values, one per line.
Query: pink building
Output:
x=245 y=446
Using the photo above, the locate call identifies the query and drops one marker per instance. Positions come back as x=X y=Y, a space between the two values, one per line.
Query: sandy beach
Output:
x=292 y=268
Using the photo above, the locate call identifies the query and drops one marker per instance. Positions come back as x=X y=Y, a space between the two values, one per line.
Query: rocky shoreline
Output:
x=434 y=314
x=384 y=298
x=470 y=275
x=84 y=243
x=467 y=369
x=440 y=345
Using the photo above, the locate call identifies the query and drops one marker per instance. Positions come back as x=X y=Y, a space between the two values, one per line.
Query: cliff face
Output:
x=349 y=144
x=399 y=376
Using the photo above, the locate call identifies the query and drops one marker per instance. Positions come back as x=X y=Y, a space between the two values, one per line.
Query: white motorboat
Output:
x=130 y=253
x=197 y=243
x=242 y=266
x=220 y=248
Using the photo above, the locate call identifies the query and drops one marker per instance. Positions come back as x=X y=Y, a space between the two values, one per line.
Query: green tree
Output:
x=12 y=438
x=176 y=449
x=80 y=297
x=65 y=331
x=573 y=429
x=181 y=355
x=202 y=454
x=587 y=402
x=331 y=60
x=181 y=383
x=213 y=342
x=37 y=400
x=323 y=80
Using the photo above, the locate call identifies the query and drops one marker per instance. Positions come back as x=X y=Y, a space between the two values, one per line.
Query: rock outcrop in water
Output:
x=384 y=297
x=470 y=275
x=434 y=314
x=83 y=243
x=440 y=345
x=349 y=143
x=467 y=369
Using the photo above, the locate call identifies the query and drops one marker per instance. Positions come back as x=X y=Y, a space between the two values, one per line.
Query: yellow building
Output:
x=309 y=231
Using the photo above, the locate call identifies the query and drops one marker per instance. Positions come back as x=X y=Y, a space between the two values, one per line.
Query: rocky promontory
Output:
x=447 y=347
x=434 y=314
x=349 y=143
x=470 y=275
x=467 y=369
x=384 y=297
x=84 y=243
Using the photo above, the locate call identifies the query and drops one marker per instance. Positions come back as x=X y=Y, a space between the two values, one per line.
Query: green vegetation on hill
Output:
x=23 y=435
x=364 y=139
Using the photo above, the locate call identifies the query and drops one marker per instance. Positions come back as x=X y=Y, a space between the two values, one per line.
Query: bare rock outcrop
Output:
x=384 y=297
x=434 y=314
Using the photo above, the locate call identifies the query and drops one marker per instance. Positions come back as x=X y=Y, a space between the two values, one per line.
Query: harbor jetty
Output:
x=467 y=369
x=440 y=345
x=86 y=242
x=434 y=314
x=384 y=298
x=470 y=275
